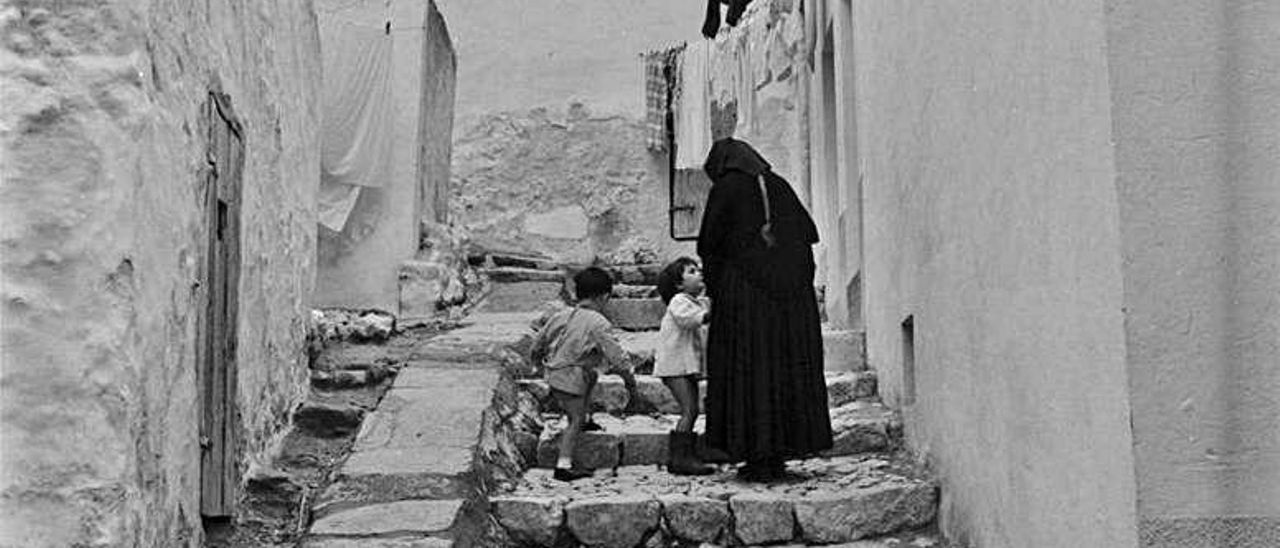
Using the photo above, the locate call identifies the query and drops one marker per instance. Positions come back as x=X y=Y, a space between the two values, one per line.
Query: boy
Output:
x=575 y=342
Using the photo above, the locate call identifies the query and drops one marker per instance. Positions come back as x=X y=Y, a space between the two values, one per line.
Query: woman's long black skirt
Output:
x=766 y=394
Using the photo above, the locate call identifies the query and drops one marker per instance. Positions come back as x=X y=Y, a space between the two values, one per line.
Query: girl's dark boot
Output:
x=682 y=459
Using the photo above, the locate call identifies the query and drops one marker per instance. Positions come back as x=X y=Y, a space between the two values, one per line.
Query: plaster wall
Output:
x=440 y=80
x=1196 y=93
x=359 y=265
x=992 y=221
x=526 y=72
x=102 y=233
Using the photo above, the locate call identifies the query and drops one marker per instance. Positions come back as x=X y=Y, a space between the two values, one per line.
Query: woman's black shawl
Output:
x=731 y=224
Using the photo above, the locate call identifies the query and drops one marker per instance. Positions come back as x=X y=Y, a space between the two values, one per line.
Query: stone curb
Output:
x=750 y=518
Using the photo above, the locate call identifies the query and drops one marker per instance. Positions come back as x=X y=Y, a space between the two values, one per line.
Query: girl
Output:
x=679 y=357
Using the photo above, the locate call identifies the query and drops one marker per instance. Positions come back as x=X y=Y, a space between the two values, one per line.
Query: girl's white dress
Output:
x=682 y=338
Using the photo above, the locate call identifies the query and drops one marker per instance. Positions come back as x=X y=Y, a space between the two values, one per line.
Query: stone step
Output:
x=515 y=274
x=858 y=427
x=417 y=523
x=842 y=350
x=635 y=314
x=826 y=500
x=521 y=296
x=652 y=396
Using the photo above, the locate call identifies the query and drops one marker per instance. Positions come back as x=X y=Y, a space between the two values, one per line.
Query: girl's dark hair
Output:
x=671 y=276
x=592 y=282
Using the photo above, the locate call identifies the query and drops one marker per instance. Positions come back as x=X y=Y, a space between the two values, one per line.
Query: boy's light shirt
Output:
x=578 y=336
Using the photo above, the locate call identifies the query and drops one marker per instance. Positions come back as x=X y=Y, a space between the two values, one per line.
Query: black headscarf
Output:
x=733 y=225
x=730 y=154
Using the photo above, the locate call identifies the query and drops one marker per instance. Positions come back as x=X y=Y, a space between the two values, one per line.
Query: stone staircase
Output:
x=458 y=453
x=865 y=491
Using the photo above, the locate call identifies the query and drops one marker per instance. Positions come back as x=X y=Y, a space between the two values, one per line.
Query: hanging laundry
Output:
x=693 y=116
x=746 y=89
x=779 y=54
x=711 y=23
x=656 y=89
x=758 y=45
x=357 y=139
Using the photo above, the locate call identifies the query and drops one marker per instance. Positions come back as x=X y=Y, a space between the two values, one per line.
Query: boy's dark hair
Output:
x=592 y=282
x=672 y=276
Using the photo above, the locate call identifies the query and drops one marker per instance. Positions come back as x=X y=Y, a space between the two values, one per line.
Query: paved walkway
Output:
x=424 y=461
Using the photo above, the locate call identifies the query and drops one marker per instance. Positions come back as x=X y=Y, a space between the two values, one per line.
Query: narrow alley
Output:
x=946 y=274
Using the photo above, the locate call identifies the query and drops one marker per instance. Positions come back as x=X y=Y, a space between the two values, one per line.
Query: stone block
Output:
x=762 y=518
x=644 y=446
x=352 y=357
x=695 y=519
x=428 y=542
x=593 y=449
x=610 y=395
x=613 y=522
x=635 y=314
x=849 y=386
x=328 y=420
x=421 y=287
x=339 y=325
x=852 y=515
x=639 y=346
x=540 y=391
x=410 y=516
x=842 y=350
x=859 y=429
x=629 y=274
x=531 y=520
x=339 y=379
x=527 y=445
x=654 y=396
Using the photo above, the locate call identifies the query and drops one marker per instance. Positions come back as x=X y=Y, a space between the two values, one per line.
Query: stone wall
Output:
x=535 y=171
x=992 y=225
x=359 y=265
x=104 y=140
x=568 y=184
x=1195 y=88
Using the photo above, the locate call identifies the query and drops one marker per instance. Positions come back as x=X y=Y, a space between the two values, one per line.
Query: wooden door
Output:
x=219 y=422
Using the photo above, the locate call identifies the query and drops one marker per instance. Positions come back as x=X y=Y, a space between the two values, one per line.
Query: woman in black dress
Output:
x=766 y=395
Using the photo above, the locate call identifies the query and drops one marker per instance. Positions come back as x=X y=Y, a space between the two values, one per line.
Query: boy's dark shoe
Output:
x=592 y=426
x=567 y=474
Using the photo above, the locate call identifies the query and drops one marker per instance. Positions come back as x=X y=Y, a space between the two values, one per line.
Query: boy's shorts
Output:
x=571 y=380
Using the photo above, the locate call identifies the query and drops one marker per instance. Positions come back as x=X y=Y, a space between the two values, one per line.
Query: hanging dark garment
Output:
x=766 y=392
x=711 y=23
